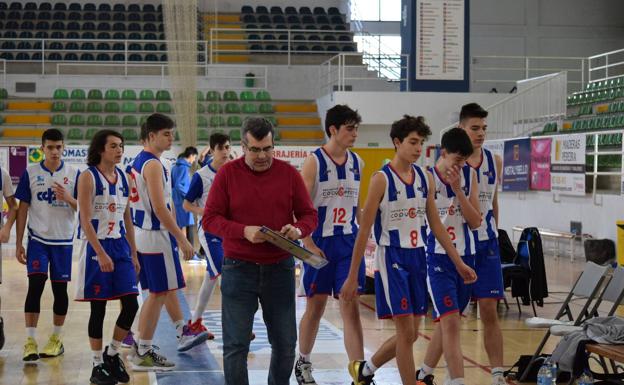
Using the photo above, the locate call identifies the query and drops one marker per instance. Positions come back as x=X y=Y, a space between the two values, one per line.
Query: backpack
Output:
x=507 y=251
x=524 y=361
x=599 y=251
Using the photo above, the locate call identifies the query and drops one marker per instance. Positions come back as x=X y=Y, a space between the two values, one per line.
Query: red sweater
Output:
x=241 y=197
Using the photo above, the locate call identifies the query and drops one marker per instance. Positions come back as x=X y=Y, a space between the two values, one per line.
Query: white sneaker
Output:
x=303 y=373
x=541 y=323
x=499 y=380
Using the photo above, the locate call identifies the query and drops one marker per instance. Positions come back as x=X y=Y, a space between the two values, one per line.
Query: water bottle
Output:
x=585 y=379
x=544 y=376
x=553 y=372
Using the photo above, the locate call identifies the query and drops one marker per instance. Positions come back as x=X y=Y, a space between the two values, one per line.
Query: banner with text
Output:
x=517 y=157
x=540 y=164
x=567 y=170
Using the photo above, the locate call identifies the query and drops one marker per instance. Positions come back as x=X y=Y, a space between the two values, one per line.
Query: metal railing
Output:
x=227 y=41
x=606 y=65
x=520 y=113
x=504 y=71
x=336 y=72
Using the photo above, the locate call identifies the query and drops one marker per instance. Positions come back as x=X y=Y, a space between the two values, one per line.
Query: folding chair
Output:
x=587 y=285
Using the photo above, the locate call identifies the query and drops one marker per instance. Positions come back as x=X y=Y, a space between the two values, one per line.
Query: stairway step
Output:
x=308 y=107
x=298 y=121
x=27 y=119
x=301 y=134
x=29 y=106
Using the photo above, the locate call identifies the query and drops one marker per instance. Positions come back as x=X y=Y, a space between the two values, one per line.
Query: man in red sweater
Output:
x=247 y=193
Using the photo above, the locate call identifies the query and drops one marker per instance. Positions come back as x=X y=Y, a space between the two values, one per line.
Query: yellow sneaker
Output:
x=30 y=350
x=355 y=370
x=53 y=348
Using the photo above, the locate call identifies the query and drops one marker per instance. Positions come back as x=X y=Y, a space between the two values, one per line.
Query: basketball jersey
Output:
x=50 y=221
x=487 y=180
x=6 y=188
x=200 y=186
x=108 y=204
x=451 y=215
x=143 y=215
x=336 y=194
x=402 y=215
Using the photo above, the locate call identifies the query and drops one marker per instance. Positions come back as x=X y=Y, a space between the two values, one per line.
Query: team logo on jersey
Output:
x=340 y=192
x=451 y=210
x=355 y=171
x=112 y=207
x=46 y=196
x=488 y=173
x=40 y=179
x=412 y=212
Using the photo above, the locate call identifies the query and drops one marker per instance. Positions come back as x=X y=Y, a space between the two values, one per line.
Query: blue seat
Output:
x=150 y=47
x=103 y=35
x=43 y=25
x=293 y=19
x=254 y=36
x=340 y=27
x=70 y=57
x=344 y=38
x=163 y=47
x=30 y=15
x=149 y=8
x=348 y=48
x=333 y=11
x=119 y=57
x=314 y=38
x=319 y=11
x=10 y=35
x=135 y=57
x=325 y=27
x=6 y=55
x=118 y=7
x=134 y=8
x=87 y=46
x=119 y=17
x=119 y=36
x=161 y=28
x=88 y=26
x=311 y=27
x=14 y=15
x=73 y=26
x=133 y=17
x=104 y=26
x=299 y=38
x=119 y=47
x=89 y=7
x=322 y=19
x=302 y=48
x=248 y=18
x=88 y=35
x=87 y=57
x=60 y=6
x=264 y=19
x=271 y=47
x=58 y=26
x=305 y=11
x=255 y=47
x=16 y=6
x=37 y=45
x=333 y=48
x=58 y=15
x=149 y=27
x=36 y=56
x=268 y=36
x=30 y=6
x=149 y=17
x=119 y=27
x=290 y=10
x=55 y=45
x=8 y=45
x=72 y=35
x=104 y=7
x=163 y=57
x=44 y=16
x=279 y=19
x=74 y=7
x=329 y=38
x=24 y=45
x=281 y=26
x=45 y=6
x=57 y=35
x=103 y=57
x=336 y=19
x=307 y=19
x=134 y=36
x=90 y=16
x=71 y=46
x=246 y=9
x=103 y=46
x=150 y=36
x=104 y=16
x=275 y=10
x=134 y=27
x=25 y=35
x=42 y=35
x=261 y=9
x=12 y=25
x=151 y=57
x=134 y=47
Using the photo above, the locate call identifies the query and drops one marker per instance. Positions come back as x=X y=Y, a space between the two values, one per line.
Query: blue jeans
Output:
x=243 y=284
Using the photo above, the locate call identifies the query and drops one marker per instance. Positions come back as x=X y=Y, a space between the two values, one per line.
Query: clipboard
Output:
x=301 y=253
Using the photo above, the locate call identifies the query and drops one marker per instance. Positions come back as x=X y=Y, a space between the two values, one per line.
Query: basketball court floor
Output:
x=203 y=365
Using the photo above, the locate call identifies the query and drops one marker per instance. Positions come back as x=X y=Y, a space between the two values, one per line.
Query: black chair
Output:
x=72 y=35
x=70 y=57
x=105 y=26
x=36 y=56
x=251 y=26
x=74 y=16
x=24 y=45
x=336 y=19
x=14 y=15
x=322 y=19
x=261 y=9
x=22 y=56
x=119 y=36
x=10 y=35
x=293 y=19
x=45 y=15
x=59 y=15
x=118 y=7
x=87 y=46
x=87 y=57
x=333 y=48
x=149 y=8
x=163 y=57
x=308 y=19
x=56 y=46
x=134 y=47
x=247 y=9
x=325 y=27
x=319 y=11
x=135 y=57
x=264 y=19
x=281 y=26
x=119 y=16
x=6 y=56
x=30 y=15
x=26 y=35
x=268 y=36
x=45 y=6
x=348 y=48
x=104 y=16
x=149 y=17
x=30 y=6
x=340 y=27
x=305 y=11
x=103 y=46
x=134 y=8
x=344 y=38
x=255 y=48
x=134 y=17
x=299 y=38
x=89 y=7
x=302 y=48
x=37 y=45
x=42 y=35
x=57 y=35
x=119 y=27
x=74 y=7
x=314 y=38
x=248 y=18
x=119 y=46
x=150 y=47
x=103 y=57
x=266 y=26
x=295 y=26
x=279 y=19
x=150 y=36
x=271 y=47
x=311 y=27
x=88 y=35
x=276 y=10
x=71 y=46
x=254 y=36
x=329 y=38
x=152 y=57
x=12 y=25
x=54 y=56
x=16 y=6
x=90 y=16
x=333 y=11
x=282 y=37
x=88 y=26
x=119 y=57
x=149 y=27
x=290 y=10
x=4 y=5
x=28 y=25
x=58 y=26
x=73 y=26
x=104 y=7
x=60 y=7
x=103 y=36
x=316 y=48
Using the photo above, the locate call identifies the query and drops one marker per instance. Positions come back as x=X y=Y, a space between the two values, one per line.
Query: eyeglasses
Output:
x=258 y=150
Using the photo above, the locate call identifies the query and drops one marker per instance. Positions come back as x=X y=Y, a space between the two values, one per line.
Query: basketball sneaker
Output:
x=128 y=341
x=428 y=380
x=355 y=370
x=191 y=337
x=151 y=361
x=53 y=348
x=303 y=372
x=116 y=366
x=30 y=350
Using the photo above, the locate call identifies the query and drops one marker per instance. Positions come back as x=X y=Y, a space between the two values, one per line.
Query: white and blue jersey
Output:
x=200 y=185
x=401 y=217
x=108 y=204
x=487 y=181
x=6 y=191
x=451 y=216
x=50 y=221
x=336 y=194
x=143 y=215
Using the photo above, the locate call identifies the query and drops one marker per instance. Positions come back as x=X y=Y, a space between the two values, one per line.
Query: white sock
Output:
x=457 y=381
x=144 y=346
x=205 y=292
x=369 y=368
x=113 y=348
x=96 y=357
x=304 y=357
x=179 y=326
x=497 y=372
x=58 y=329
x=425 y=370
x=31 y=332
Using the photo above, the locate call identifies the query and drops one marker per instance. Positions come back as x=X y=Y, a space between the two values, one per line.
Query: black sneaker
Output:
x=1 y=332
x=116 y=366
x=303 y=372
x=101 y=375
x=428 y=380
x=355 y=370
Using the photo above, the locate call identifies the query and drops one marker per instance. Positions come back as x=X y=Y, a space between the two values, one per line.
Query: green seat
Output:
x=200 y=96
x=613 y=122
x=112 y=120
x=111 y=107
x=146 y=95
x=90 y=133
x=146 y=108
x=128 y=107
x=263 y=96
x=2 y=106
x=249 y=108
x=230 y=96
x=217 y=121
x=74 y=134
x=203 y=135
x=217 y=131
x=164 y=108
x=202 y=121
x=163 y=95
x=60 y=94
x=235 y=135
x=143 y=120
x=232 y=108
x=214 y=108
x=129 y=121
x=111 y=95
x=213 y=96
x=4 y=94
x=201 y=109
x=129 y=135
x=76 y=120
x=77 y=107
x=234 y=121
x=128 y=95
x=94 y=107
x=58 y=107
x=278 y=137
x=247 y=96
x=59 y=120
x=78 y=94
x=94 y=120
x=272 y=120
x=95 y=94
x=265 y=108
